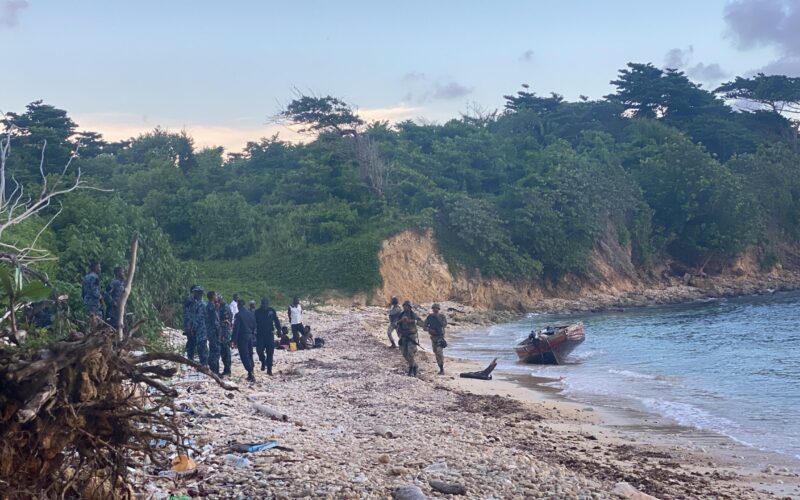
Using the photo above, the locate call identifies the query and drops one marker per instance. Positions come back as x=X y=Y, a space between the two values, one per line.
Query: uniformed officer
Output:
x=434 y=325
x=407 y=330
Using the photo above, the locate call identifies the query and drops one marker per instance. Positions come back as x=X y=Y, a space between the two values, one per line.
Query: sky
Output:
x=220 y=70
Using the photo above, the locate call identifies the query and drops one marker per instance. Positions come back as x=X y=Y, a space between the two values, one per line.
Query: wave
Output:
x=630 y=374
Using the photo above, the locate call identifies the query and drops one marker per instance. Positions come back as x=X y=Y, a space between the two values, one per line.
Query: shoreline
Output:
x=495 y=438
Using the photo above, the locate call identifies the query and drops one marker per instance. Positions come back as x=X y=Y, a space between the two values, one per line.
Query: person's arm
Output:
x=277 y=323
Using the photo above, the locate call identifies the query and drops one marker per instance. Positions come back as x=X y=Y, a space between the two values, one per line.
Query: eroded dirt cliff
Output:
x=412 y=268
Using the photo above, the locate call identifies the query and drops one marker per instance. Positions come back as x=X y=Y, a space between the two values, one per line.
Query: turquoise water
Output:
x=728 y=366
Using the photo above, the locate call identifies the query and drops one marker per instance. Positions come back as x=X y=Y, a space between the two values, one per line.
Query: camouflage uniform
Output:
x=90 y=292
x=225 y=322
x=197 y=318
x=407 y=330
x=394 y=313
x=213 y=334
x=113 y=295
x=435 y=324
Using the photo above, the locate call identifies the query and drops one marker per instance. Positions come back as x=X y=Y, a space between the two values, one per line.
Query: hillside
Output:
x=657 y=183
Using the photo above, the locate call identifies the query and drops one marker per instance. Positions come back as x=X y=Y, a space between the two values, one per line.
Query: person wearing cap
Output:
x=267 y=323
x=434 y=325
x=244 y=333
x=197 y=318
x=295 y=313
x=407 y=324
x=252 y=306
x=187 y=323
x=113 y=296
x=213 y=331
x=394 y=314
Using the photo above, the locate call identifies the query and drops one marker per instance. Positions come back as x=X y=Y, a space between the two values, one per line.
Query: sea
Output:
x=725 y=366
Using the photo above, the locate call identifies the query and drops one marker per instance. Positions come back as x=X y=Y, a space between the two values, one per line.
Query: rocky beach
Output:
x=357 y=427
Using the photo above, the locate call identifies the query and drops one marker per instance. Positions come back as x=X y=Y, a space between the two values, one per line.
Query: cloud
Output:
x=678 y=58
x=120 y=126
x=767 y=23
x=451 y=90
x=708 y=73
x=527 y=56
x=681 y=59
x=10 y=11
x=413 y=76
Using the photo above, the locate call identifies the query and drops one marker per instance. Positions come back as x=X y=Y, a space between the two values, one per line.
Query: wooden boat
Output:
x=549 y=346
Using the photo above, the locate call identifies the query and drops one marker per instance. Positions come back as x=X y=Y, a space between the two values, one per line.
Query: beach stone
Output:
x=449 y=488
x=384 y=459
x=628 y=492
x=408 y=492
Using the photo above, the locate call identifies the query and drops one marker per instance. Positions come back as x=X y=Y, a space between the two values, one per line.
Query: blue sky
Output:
x=220 y=69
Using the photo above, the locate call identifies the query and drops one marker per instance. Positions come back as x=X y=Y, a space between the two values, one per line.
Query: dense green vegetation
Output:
x=663 y=165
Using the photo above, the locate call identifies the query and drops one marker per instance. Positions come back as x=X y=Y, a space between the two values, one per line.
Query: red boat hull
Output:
x=551 y=349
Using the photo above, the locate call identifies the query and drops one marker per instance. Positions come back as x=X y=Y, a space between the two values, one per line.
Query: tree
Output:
x=776 y=93
x=321 y=114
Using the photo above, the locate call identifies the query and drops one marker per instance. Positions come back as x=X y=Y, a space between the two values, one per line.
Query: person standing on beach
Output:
x=394 y=314
x=407 y=331
x=213 y=331
x=225 y=323
x=90 y=292
x=267 y=323
x=295 y=313
x=187 y=324
x=197 y=317
x=113 y=296
x=234 y=305
x=434 y=325
x=244 y=335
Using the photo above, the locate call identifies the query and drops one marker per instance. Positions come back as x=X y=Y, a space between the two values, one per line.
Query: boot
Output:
x=414 y=371
x=250 y=377
x=441 y=369
x=393 y=346
x=269 y=371
x=410 y=371
x=226 y=373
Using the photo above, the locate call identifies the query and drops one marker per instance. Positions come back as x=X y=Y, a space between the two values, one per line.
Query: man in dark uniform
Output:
x=244 y=334
x=267 y=323
x=199 y=325
x=187 y=324
x=213 y=332
x=407 y=331
x=113 y=296
x=90 y=292
x=225 y=325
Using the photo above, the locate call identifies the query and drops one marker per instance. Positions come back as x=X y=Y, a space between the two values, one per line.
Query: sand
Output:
x=497 y=439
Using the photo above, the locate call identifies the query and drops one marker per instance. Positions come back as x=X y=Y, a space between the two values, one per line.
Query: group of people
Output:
x=103 y=305
x=212 y=327
x=405 y=321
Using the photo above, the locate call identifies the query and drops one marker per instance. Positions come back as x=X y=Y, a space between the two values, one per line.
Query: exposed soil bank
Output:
x=412 y=268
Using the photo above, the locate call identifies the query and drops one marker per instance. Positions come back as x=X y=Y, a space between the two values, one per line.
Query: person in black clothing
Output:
x=244 y=335
x=267 y=323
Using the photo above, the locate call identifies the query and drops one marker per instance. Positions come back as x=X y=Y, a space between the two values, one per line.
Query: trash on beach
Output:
x=258 y=395
x=385 y=432
x=183 y=464
x=236 y=461
x=485 y=374
x=273 y=414
x=254 y=447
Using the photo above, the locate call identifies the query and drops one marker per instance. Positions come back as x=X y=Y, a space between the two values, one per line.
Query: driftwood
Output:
x=485 y=374
x=449 y=488
x=76 y=415
x=127 y=292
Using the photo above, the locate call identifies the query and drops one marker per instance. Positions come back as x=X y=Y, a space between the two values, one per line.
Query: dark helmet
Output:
x=197 y=288
x=394 y=301
x=407 y=303
x=435 y=306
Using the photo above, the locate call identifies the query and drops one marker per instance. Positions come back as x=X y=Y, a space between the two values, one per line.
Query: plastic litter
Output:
x=183 y=463
x=436 y=467
x=254 y=447
x=236 y=461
